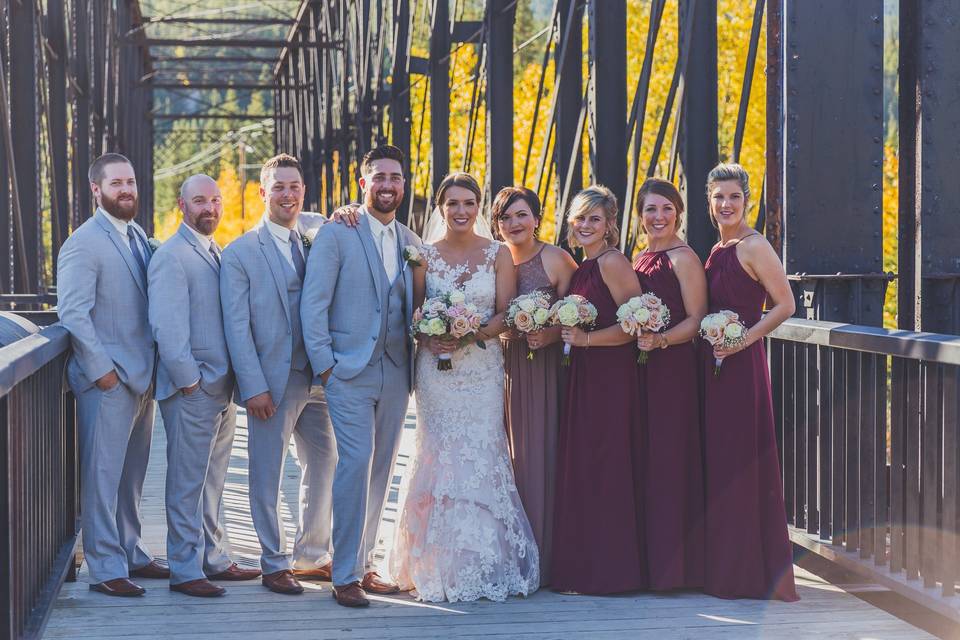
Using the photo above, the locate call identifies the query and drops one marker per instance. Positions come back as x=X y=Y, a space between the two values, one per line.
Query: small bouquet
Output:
x=529 y=313
x=572 y=311
x=448 y=314
x=643 y=313
x=722 y=329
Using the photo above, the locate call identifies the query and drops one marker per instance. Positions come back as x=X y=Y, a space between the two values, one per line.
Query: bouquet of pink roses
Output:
x=528 y=313
x=448 y=314
x=722 y=329
x=643 y=313
x=572 y=311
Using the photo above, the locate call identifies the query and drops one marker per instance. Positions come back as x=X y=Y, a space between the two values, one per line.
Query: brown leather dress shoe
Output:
x=201 y=588
x=235 y=573
x=350 y=595
x=119 y=587
x=152 y=570
x=373 y=584
x=318 y=573
x=282 y=582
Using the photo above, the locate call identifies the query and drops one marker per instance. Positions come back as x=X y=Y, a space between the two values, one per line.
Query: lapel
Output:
x=373 y=256
x=406 y=272
x=191 y=239
x=124 y=251
x=268 y=247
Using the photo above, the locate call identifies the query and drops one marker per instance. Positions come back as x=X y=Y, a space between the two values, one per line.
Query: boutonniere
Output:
x=411 y=256
x=153 y=243
x=307 y=237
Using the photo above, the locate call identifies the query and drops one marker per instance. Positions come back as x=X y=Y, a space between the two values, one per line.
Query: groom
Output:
x=356 y=309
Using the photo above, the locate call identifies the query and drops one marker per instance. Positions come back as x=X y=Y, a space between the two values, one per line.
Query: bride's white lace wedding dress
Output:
x=463 y=534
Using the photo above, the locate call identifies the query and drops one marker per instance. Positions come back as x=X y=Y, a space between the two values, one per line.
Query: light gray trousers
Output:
x=199 y=441
x=367 y=414
x=115 y=427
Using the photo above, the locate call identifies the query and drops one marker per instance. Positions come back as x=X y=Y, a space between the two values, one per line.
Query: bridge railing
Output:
x=39 y=489
x=870 y=450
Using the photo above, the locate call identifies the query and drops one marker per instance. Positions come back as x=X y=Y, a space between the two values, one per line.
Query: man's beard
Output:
x=376 y=206
x=205 y=224
x=126 y=210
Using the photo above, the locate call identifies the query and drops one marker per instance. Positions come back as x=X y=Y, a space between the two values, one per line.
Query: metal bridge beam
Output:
x=608 y=94
x=439 y=93
x=500 y=18
x=400 y=99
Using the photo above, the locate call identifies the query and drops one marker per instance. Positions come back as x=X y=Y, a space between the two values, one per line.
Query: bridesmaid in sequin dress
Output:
x=598 y=544
x=748 y=552
x=532 y=389
x=673 y=490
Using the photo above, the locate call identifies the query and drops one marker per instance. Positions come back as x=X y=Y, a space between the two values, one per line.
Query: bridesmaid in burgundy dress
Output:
x=532 y=388
x=673 y=486
x=598 y=515
x=748 y=553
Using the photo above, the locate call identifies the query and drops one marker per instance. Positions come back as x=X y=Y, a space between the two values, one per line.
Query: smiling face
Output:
x=117 y=191
x=282 y=191
x=727 y=203
x=659 y=216
x=201 y=204
x=382 y=185
x=460 y=208
x=589 y=228
x=517 y=224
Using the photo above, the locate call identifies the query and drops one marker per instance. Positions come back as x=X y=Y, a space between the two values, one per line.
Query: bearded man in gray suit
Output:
x=102 y=302
x=261 y=280
x=195 y=391
x=357 y=308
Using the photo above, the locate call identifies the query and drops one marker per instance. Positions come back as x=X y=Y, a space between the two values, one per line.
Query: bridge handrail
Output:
x=931 y=347
x=21 y=359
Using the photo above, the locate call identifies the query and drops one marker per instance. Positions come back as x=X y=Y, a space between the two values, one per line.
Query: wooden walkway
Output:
x=250 y=611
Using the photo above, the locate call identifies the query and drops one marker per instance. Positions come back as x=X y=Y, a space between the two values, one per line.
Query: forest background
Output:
x=232 y=153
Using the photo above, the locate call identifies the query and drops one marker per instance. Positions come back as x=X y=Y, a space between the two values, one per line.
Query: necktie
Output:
x=298 y=262
x=387 y=254
x=215 y=253
x=135 y=248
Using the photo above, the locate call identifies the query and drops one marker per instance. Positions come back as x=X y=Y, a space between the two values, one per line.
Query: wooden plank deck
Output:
x=250 y=611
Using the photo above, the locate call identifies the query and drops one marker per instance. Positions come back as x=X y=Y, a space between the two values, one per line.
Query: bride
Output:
x=463 y=534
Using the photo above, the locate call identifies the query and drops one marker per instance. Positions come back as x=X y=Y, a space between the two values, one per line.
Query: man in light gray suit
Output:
x=357 y=308
x=102 y=302
x=195 y=391
x=261 y=281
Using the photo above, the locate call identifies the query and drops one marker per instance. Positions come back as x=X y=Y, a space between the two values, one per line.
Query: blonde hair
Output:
x=593 y=197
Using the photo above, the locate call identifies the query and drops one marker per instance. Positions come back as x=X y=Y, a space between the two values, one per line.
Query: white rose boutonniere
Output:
x=411 y=255
x=153 y=243
x=307 y=237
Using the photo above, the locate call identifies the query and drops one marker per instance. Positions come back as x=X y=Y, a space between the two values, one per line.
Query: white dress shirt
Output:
x=281 y=236
x=385 y=239
x=205 y=241
x=121 y=226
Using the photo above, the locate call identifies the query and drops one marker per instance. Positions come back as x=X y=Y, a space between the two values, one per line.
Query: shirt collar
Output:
x=205 y=241
x=118 y=224
x=278 y=231
x=378 y=227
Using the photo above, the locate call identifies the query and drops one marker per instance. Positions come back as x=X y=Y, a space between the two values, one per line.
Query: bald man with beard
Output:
x=195 y=390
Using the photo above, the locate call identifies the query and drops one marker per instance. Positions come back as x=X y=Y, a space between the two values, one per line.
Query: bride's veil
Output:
x=436 y=228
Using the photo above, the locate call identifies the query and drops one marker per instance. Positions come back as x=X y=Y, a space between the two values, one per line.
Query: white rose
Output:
x=733 y=330
x=424 y=327
x=310 y=234
x=540 y=316
x=436 y=327
x=568 y=315
x=411 y=253
x=634 y=303
x=527 y=305
x=642 y=315
x=457 y=297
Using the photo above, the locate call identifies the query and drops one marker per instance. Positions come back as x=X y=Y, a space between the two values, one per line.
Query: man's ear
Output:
x=363 y=183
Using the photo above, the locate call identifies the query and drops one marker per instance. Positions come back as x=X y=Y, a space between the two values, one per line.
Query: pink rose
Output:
x=456 y=311
x=459 y=327
x=650 y=301
x=524 y=321
x=713 y=335
x=630 y=326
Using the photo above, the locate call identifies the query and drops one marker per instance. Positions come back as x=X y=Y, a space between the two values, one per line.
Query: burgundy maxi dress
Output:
x=673 y=490
x=748 y=552
x=598 y=510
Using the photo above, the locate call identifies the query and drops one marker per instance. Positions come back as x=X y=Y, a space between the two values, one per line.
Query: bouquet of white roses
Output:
x=723 y=329
x=643 y=313
x=572 y=311
x=448 y=314
x=528 y=313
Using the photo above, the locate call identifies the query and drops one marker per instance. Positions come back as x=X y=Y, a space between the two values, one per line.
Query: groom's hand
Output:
x=261 y=406
x=326 y=376
x=348 y=214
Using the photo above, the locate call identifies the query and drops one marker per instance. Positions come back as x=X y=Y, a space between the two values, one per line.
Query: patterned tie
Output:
x=298 y=262
x=135 y=248
x=215 y=253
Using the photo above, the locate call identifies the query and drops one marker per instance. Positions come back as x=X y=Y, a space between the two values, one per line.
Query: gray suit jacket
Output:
x=184 y=287
x=256 y=313
x=102 y=302
x=341 y=297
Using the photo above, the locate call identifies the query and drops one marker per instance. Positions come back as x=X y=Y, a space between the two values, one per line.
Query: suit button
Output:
x=378 y=309
x=374 y=338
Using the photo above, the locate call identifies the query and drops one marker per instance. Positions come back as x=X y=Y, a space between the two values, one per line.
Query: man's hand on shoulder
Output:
x=348 y=214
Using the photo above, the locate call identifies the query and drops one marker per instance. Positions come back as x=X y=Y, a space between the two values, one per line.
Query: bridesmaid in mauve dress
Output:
x=598 y=513
x=673 y=487
x=532 y=388
x=748 y=552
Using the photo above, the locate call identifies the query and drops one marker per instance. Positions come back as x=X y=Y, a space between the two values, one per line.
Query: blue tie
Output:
x=214 y=253
x=298 y=262
x=135 y=248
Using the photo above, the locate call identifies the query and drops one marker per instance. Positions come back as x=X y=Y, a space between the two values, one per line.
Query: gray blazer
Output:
x=256 y=312
x=341 y=297
x=102 y=302
x=184 y=287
